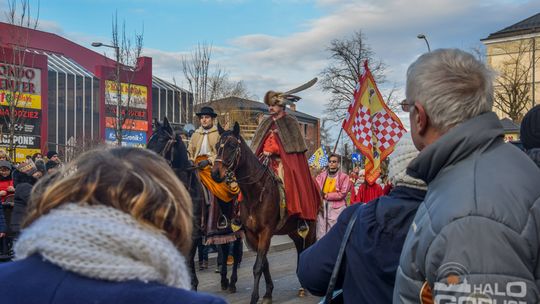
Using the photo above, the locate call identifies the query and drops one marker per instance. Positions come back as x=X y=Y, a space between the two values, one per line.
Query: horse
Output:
x=165 y=142
x=259 y=210
x=170 y=146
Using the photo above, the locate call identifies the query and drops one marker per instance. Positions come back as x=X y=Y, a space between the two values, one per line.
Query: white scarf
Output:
x=104 y=243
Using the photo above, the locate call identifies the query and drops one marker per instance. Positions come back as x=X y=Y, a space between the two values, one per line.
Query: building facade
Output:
x=68 y=96
x=513 y=53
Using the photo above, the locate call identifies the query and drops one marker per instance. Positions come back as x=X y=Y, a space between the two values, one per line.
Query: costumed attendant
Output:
x=363 y=192
x=334 y=186
x=202 y=151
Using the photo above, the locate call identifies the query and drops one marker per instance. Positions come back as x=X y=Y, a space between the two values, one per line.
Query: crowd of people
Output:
x=457 y=220
x=16 y=182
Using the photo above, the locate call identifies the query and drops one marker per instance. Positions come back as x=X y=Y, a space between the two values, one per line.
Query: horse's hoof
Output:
x=232 y=289
x=301 y=292
x=267 y=301
x=224 y=284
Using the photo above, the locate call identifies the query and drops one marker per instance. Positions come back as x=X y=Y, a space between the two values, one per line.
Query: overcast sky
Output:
x=278 y=44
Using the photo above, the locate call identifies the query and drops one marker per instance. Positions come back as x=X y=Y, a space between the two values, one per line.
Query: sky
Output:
x=279 y=44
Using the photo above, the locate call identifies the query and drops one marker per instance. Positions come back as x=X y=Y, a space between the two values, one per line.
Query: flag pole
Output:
x=337 y=141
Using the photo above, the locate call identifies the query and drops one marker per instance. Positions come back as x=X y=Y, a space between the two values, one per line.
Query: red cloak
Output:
x=301 y=192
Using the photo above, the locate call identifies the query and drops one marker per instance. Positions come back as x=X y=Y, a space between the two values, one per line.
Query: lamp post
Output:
x=422 y=36
x=118 y=130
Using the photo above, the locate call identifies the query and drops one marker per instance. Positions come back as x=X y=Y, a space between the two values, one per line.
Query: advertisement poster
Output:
x=129 y=138
x=132 y=95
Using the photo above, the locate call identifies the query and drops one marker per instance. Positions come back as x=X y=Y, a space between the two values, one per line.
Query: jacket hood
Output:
x=458 y=143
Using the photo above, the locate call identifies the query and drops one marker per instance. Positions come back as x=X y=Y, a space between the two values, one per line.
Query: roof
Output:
x=509 y=126
x=247 y=104
x=527 y=26
x=165 y=85
x=62 y=64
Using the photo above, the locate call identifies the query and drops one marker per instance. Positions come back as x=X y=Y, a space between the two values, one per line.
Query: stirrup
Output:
x=226 y=222
x=236 y=225
x=302 y=230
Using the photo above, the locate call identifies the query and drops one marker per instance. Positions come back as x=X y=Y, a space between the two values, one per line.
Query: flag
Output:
x=318 y=159
x=372 y=126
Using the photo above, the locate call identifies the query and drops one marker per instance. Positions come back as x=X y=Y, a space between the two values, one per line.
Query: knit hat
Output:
x=51 y=153
x=5 y=163
x=28 y=167
x=530 y=129
x=40 y=165
x=404 y=153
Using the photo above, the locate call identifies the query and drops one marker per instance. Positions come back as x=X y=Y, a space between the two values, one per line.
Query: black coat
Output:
x=23 y=187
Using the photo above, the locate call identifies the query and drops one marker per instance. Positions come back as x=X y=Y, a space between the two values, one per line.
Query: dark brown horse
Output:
x=167 y=143
x=259 y=209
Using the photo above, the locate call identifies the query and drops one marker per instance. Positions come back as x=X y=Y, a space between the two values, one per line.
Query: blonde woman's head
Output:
x=135 y=181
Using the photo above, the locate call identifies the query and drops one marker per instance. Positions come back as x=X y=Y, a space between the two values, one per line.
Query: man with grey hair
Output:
x=476 y=236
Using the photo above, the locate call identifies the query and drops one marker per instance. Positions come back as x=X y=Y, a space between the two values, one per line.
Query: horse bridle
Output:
x=235 y=158
x=233 y=165
x=168 y=147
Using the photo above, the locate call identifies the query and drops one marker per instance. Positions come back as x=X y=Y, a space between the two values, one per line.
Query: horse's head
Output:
x=165 y=142
x=228 y=152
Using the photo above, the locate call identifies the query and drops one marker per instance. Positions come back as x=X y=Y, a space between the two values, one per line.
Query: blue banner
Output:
x=129 y=138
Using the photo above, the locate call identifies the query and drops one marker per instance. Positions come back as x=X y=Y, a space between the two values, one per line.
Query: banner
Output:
x=372 y=126
x=129 y=138
x=132 y=93
x=319 y=159
x=129 y=124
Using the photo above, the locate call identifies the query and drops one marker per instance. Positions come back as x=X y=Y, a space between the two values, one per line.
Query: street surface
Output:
x=282 y=269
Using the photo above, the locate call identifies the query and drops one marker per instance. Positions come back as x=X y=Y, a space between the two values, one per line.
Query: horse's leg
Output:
x=262 y=248
x=191 y=264
x=267 y=299
x=237 y=252
x=224 y=250
x=301 y=245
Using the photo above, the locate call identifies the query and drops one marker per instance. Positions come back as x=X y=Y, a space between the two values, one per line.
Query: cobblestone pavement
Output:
x=282 y=269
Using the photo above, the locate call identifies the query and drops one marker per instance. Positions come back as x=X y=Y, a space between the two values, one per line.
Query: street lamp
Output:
x=422 y=36
x=118 y=88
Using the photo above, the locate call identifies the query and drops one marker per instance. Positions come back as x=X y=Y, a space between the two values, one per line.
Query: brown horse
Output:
x=259 y=210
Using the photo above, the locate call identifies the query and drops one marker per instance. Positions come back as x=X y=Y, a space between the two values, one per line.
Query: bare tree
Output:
x=513 y=85
x=126 y=95
x=208 y=81
x=326 y=138
x=341 y=76
x=16 y=71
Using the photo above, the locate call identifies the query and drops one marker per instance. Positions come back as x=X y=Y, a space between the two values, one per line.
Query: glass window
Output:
x=61 y=108
x=70 y=103
x=79 y=109
x=184 y=108
x=170 y=102
x=177 y=106
x=162 y=96
x=155 y=100
x=95 y=111
x=87 y=108
x=190 y=107
x=52 y=93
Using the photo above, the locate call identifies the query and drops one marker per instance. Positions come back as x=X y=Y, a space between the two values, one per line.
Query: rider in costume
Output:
x=202 y=151
x=278 y=138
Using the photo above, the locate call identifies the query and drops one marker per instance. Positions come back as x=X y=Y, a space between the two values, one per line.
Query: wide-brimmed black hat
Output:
x=206 y=111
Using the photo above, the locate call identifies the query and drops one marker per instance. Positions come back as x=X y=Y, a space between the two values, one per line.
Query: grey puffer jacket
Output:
x=477 y=232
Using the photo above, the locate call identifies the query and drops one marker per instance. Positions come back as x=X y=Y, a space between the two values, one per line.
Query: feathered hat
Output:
x=273 y=98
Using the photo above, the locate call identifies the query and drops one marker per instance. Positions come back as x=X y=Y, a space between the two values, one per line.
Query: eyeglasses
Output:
x=405 y=105
x=332 y=161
